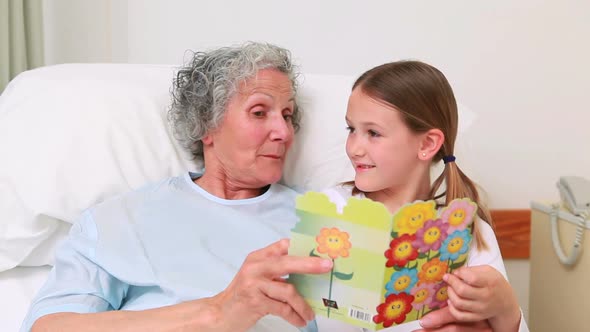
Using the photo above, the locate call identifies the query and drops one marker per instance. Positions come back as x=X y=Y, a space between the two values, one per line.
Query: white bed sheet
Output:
x=18 y=286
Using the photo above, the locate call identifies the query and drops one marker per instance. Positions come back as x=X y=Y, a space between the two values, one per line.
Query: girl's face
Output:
x=382 y=149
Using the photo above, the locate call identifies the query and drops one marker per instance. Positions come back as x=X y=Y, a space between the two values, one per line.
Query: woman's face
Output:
x=250 y=145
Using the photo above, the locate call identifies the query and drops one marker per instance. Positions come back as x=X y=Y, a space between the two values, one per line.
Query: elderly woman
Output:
x=185 y=253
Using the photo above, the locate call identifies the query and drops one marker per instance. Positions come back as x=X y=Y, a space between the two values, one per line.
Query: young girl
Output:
x=402 y=119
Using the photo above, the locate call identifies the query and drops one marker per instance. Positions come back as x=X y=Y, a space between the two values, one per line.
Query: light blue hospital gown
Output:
x=164 y=244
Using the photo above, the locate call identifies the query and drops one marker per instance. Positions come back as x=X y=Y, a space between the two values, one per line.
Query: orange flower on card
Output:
x=333 y=242
x=432 y=271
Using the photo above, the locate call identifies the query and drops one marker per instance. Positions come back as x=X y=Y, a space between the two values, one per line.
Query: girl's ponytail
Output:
x=458 y=185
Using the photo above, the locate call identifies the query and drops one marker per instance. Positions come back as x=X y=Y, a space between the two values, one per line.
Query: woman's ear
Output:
x=207 y=140
x=432 y=140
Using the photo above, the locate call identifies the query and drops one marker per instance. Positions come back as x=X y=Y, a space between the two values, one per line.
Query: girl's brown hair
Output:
x=425 y=99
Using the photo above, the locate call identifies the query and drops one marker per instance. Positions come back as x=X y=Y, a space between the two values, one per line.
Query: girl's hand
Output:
x=481 y=292
x=258 y=289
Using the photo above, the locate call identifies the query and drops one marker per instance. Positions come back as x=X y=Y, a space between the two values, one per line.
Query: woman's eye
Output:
x=350 y=129
x=373 y=133
x=288 y=117
x=258 y=114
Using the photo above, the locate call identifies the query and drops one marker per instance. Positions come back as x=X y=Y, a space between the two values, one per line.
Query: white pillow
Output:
x=72 y=135
x=318 y=158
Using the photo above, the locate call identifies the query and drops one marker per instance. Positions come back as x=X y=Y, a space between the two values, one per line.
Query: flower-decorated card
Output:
x=387 y=268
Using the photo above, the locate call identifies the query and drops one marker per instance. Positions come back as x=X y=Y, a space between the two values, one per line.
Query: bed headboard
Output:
x=513 y=230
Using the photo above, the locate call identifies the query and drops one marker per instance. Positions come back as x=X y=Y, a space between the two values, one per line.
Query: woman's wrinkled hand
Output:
x=258 y=289
x=443 y=321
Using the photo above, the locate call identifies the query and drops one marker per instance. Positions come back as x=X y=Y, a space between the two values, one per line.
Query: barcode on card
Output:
x=360 y=315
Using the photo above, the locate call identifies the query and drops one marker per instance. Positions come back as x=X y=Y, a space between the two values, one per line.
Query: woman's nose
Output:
x=281 y=130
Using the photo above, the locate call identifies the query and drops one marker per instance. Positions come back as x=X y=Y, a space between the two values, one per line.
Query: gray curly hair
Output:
x=203 y=87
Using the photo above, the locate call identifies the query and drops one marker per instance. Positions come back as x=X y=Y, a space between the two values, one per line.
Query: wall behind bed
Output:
x=519 y=66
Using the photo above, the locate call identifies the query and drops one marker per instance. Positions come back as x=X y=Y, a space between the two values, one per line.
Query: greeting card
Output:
x=387 y=268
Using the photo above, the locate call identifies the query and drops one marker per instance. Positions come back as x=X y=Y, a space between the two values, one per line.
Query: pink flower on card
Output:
x=459 y=214
x=423 y=296
x=431 y=236
x=439 y=300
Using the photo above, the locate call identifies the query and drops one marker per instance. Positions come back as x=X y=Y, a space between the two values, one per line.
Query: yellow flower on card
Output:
x=412 y=217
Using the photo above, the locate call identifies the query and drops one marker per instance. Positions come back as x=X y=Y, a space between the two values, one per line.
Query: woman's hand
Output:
x=259 y=289
x=481 y=293
x=443 y=321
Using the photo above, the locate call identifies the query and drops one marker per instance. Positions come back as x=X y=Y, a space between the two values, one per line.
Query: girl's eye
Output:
x=288 y=117
x=350 y=129
x=373 y=133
